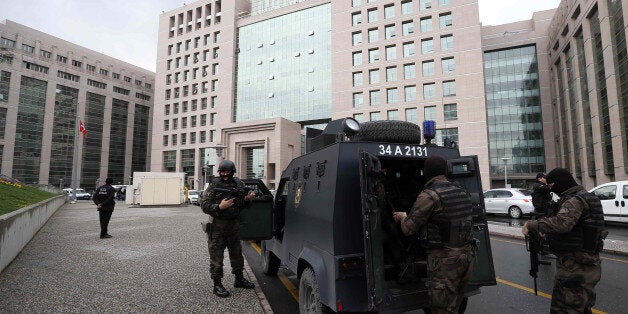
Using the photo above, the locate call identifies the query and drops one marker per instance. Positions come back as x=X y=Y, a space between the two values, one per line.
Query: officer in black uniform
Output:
x=224 y=208
x=541 y=196
x=104 y=198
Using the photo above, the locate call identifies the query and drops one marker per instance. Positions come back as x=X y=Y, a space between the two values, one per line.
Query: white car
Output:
x=514 y=202
x=614 y=196
x=81 y=194
x=194 y=197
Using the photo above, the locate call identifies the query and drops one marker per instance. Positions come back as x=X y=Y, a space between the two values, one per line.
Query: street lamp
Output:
x=505 y=159
x=60 y=185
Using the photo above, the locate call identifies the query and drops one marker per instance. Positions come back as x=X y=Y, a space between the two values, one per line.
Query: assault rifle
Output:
x=533 y=245
x=237 y=192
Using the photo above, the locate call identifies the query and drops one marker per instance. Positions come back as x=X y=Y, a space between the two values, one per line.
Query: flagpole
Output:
x=75 y=157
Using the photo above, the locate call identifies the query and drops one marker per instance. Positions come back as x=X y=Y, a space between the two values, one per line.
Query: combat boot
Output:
x=241 y=282
x=219 y=289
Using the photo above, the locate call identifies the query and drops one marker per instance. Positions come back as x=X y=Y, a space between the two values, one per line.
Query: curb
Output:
x=258 y=290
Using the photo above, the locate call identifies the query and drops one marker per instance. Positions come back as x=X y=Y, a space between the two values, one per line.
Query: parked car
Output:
x=194 y=197
x=81 y=194
x=514 y=202
x=613 y=196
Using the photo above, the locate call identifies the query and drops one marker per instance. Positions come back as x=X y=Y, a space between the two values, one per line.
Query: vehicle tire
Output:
x=514 y=212
x=270 y=262
x=309 y=293
x=390 y=131
x=463 y=305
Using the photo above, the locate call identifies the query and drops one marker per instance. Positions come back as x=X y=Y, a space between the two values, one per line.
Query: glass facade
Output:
x=3 y=121
x=282 y=62
x=255 y=162
x=513 y=103
x=5 y=82
x=573 y=112
x=63 y=134
x=602 y=94
x=92 y=145
x=117 y=140
x=29 y=130
x=586 y=105
x=187 y=163
x=170 y=161
x=140 y=138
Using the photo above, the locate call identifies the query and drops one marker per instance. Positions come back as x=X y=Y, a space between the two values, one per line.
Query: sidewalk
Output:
x=157 y=261
x=611 y=246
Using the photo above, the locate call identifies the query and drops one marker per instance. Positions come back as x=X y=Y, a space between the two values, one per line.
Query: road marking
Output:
x=602 y=257
x=540 y=293
x=284 y=280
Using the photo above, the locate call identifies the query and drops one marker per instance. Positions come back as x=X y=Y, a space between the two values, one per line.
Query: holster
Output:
x=207 y=227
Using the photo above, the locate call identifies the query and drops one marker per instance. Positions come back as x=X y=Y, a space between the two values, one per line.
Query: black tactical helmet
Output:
x=227 y=165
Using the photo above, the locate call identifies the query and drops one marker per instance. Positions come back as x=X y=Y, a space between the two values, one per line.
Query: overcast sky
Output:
x=127 y=30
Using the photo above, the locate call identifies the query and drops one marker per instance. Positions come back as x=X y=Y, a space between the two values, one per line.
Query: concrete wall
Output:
x=18 y=228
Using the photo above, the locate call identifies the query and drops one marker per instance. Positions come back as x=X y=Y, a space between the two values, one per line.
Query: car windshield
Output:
x=192 y=192
x=525 y=192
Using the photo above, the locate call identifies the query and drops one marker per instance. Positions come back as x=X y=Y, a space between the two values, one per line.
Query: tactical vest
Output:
x=586 y=234
x=451 y=226
x=232 y=212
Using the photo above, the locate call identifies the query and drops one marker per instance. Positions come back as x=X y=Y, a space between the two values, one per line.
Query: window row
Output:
x=202 y=121
x=193 y=44
x=196 y=18
x=191 y=105
x=407 y=28
x=450 y=113
x=409 y=72
x=409 y=94
x=193 y=89
x=407 y=7
x=191 y=74
x=427 y=47
x=192 y=59
x=173 y=139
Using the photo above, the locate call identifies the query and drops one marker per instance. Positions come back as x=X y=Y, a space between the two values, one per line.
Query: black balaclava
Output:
x=562 y=179
x=226 y=165
x=434 y=166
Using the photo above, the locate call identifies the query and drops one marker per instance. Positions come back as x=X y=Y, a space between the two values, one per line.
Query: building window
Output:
x=408 y=50
x=409 y=93
x=429 y=91
x=447 y=65
x=447 y=42
x=35 y=67
x=356 y=19
x=97 y=84
x=27 y=48
x=391 y=74
x=429 y=113
x=62 y=59
x=374 y=76
x=406 y=7
x=390 y=31
x=372 y=15
x=393 y=114
x=7 y=42
x=68 y=76
x=447 y=136
x=357 y=58
x=375 y=116
x=392 y=95
x=409 y=71
x=391 y=52
x=166 y=110
x=355 y=3
x=358 y=117
x=357 y=38
x=203 y=119
x=407 y=28
x=373 y=55
x=425 y=4
x=77 y=63
x=374 y=98
x=45 y=54
x=373 y=35
x=358 y=100
x=175 y=123
x=428 y=68
x=5 y=82
x=412 y=115
x=426 y=24
x=357 y=79
x=389 y=11
x=443 y=3
x=91 y=68
x=451 y=112
x=427 y=46
x=166 y=125
x=445 y=20
x=449 y=88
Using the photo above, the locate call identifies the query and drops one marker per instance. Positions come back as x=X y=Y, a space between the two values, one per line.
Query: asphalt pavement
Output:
x=157 y=261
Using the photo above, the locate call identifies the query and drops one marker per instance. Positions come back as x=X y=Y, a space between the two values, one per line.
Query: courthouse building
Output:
x=45 y=82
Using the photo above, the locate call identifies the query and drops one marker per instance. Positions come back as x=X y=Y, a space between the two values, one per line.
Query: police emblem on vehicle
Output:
x=297 y=196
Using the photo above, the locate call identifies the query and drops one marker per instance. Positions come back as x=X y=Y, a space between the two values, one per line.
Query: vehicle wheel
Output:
x=389 y=131
x=514 y=212
x=270 y=262
x=309 y=293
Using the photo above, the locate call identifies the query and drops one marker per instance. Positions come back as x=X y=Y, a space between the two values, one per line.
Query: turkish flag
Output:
x=82 y=129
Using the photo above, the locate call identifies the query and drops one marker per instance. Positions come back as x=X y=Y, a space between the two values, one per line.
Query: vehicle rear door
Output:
x=609 y=198
x=256 y=221
x=466 y=172
x=370 y=174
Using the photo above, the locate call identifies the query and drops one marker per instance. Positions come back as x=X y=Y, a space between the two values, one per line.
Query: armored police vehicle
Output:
x=331 y=220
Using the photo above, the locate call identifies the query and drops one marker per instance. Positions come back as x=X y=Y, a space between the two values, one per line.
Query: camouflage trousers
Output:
x=225 y=234
x=574 y=284
x=448 y=275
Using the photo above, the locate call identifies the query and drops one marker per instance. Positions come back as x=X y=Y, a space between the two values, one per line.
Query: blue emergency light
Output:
x=429 y=131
